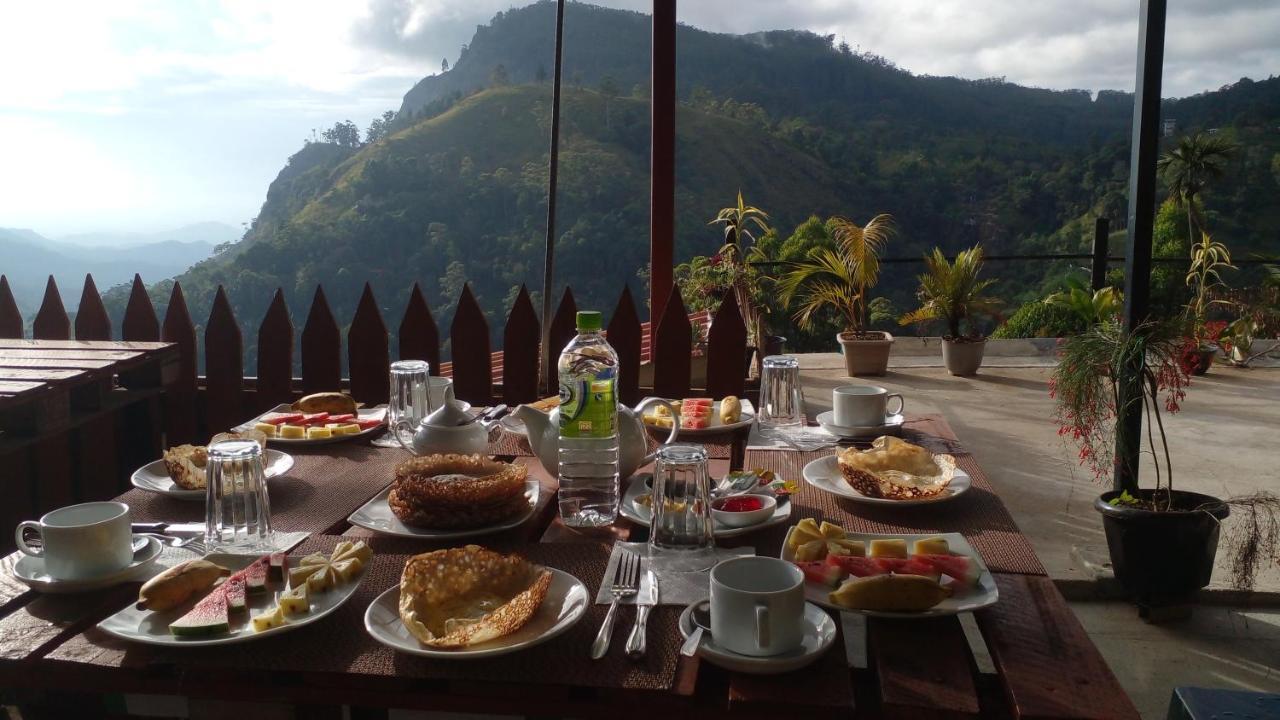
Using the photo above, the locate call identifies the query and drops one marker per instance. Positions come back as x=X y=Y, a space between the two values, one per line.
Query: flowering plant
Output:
x=1086 y=388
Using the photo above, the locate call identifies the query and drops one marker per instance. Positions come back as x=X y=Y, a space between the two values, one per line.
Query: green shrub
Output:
x=1039 y=319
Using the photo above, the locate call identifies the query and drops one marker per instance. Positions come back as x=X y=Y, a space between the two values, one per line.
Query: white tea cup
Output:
x=757 y=606
x=439 y=389
x=81 y=541
x=862 y=405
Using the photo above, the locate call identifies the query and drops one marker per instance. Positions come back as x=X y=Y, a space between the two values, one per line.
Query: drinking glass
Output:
x=237 y=513
x=408 y=400
x=781 y=398
x=680 y=533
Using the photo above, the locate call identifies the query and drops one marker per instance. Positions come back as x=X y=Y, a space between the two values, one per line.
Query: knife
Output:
x=644 y=603
x=161 y=528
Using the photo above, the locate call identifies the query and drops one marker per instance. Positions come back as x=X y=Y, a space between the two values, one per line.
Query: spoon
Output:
x=487 y=416
x=700 y=616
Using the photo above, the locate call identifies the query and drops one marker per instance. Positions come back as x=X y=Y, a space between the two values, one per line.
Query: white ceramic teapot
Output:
x=543 y=430
x=447 y=430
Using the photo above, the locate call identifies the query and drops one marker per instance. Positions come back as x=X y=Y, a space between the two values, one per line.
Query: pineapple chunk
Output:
x=846 y=547
x=661 y=411
x=298 y=575
x=891 y=548
x=931 y=546
x=805 y=531
x=266 y=429
x=347 y=429
x=812 y=550
x=348 y=569
x=348 y=549
x=269 y=619
x=319 y=433
x=296 y=600
x=293 y=432
x=831 y=531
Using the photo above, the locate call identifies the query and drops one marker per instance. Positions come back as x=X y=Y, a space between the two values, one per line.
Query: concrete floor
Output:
x=1226 y=441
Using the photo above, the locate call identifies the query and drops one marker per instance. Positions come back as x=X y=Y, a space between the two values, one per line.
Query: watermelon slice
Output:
x=699 y=401
x=960 y=568
x=889 y=564
x=857 y=566
x=234 y=588
x=315 y=418
x=694 y=423
x=278 y=567
x=255 y=576
x=208 y=617
x=341 y=418
x=367 y=423
x=915 y=566
x=817 y=571
x=281 y=418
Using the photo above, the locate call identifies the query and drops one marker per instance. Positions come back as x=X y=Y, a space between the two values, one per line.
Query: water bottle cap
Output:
x=589 y=320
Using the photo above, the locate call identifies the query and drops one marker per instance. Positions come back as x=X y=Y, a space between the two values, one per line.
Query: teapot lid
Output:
x=447 y=415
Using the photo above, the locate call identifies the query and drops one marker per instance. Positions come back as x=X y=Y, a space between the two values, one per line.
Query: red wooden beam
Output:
x=662 y=163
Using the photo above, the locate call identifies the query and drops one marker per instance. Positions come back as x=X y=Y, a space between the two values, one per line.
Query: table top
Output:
x=1027 y=656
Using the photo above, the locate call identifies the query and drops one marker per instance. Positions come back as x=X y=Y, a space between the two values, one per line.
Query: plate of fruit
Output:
x=223 y=599
x=317 y=419
x=900 y=575
x=702 y=416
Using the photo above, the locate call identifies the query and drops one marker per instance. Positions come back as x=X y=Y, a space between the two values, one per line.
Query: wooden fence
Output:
x=196 y=407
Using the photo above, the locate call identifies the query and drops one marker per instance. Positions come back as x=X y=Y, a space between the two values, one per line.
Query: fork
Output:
x=626 y=583
x=193 y=543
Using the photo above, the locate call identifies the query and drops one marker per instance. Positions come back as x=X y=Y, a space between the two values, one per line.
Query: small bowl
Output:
x=743 y=519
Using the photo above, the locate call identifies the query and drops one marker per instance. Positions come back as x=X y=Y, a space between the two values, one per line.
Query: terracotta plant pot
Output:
x=963 y=357
x=1163 y=558
x=866 y=355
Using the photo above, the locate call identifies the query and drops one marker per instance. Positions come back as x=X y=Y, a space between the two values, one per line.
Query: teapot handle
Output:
x=395 y=429
x=675 y=424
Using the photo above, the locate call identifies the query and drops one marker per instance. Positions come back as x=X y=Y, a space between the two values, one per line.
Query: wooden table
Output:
x=73 y=415
x=1037 y=663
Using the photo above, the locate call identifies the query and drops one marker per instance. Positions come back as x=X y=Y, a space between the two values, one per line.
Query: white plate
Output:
x=716 y=427
x=564 y=606
x=981 y=595
x=153 y=477
x=824 y=474
x=379 y=413
x=376 y=515
x=819 y=634
x=152 y=628
x=892 y=425
x=641 y=515
x=30 y=570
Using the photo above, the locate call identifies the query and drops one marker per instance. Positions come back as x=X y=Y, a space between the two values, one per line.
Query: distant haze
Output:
x=142 y=115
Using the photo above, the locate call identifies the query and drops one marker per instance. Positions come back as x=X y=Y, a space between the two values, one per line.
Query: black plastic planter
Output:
x=1163 y=558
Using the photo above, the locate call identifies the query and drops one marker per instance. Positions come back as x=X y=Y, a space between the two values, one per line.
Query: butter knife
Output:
x=644 y=603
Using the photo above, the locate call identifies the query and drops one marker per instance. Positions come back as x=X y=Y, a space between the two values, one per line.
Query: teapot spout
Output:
x=543 y=438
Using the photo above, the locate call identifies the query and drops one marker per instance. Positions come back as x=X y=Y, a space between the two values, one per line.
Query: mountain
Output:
x=457 y=191
x=28 y=258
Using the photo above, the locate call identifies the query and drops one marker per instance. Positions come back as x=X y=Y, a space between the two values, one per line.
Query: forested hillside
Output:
x=453 y=189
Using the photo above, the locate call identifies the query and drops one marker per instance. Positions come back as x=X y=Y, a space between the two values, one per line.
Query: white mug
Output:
x=862 y=405
x=757 y=606
x=81 y=541
x=439 y=389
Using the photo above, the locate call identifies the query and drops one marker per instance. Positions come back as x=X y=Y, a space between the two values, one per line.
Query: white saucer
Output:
x=154 y=476
x=819 y=634
x=566 y=602
x=30 y=570
x=892 y=426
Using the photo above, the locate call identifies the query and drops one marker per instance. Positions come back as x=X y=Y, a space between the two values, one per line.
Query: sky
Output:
x=144 y=115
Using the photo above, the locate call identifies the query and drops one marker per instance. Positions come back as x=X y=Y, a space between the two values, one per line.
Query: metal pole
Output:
x=553 y=163
x=1098 y=278
x=662 y=158
x=1144 y=150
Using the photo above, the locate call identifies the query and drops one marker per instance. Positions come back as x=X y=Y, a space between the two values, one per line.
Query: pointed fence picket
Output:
x=51 y=321
x=368 y=352
x=182 y=417
x=419 y=337
x=321 y=348
x=10 y=316
x=140 y=321
x=472 y=363
x=520 y=342
x=92 y=322
x=275 y=356
x=672 y=350
x=623 y=334
x=223 y=366
x=727 y=351
x=563 y=327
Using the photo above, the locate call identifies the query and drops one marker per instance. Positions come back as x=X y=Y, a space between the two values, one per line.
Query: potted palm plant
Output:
x=745 y=282
x=838 y=281
x=952 y=293
x=1208 y=259
x=1162 y=541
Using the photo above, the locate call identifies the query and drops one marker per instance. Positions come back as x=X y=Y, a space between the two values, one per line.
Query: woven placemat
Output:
x=978 y=514
x=719 y=446
x=339 y=643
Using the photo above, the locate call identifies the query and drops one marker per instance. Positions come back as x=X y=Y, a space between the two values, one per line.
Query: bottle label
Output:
x=588 y=408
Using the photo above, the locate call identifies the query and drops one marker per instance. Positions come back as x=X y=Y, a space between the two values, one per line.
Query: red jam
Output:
x=741 y=503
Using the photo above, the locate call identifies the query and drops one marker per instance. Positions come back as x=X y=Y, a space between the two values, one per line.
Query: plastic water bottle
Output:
x=588 y=370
